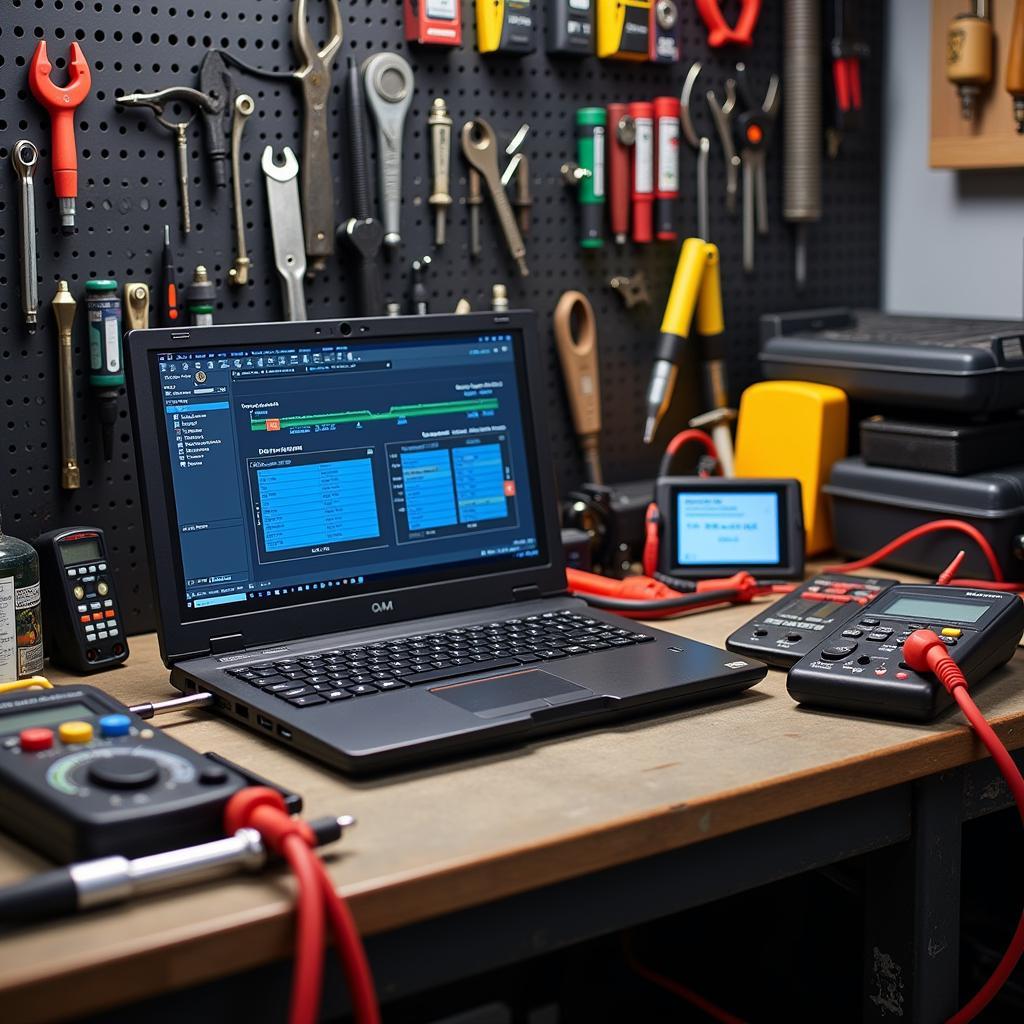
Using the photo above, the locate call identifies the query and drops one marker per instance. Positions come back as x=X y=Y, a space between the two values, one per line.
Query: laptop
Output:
x=354 y=540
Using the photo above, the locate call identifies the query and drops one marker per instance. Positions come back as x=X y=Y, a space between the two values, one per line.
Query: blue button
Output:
x=115 y=725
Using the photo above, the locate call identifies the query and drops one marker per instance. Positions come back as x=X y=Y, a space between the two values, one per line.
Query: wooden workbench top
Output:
x=449 y=837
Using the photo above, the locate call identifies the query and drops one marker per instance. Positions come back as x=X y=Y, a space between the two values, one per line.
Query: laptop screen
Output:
x=306 y=472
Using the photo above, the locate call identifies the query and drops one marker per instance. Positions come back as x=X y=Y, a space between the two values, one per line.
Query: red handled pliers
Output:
x=720 y=32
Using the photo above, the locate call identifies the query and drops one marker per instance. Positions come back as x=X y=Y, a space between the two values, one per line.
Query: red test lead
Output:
x=643 y=172
x=61 y=103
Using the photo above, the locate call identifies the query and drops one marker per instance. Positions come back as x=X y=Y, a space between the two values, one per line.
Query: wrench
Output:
x=722 y=114
x=480 y=148
x=286 y=228
x=244 y=106
x=25 y=157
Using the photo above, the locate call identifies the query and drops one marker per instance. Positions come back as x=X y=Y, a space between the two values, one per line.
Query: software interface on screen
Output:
x=728 y=528
x=331 y=468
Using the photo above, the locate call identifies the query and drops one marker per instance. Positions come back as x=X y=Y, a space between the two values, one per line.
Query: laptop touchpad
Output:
x=511 y=694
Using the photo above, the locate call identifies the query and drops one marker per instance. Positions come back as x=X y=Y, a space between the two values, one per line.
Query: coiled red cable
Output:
x=264 y=809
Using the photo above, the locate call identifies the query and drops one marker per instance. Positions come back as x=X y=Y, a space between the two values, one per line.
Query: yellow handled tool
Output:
x=577 y=352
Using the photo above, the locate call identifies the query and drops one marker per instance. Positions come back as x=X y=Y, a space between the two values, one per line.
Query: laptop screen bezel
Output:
x=182 y=639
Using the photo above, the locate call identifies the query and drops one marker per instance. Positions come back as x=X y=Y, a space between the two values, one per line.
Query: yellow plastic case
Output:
x=624 y=29
x=508 y=26
x=796 y=429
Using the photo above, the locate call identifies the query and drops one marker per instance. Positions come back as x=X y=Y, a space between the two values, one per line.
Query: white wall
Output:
x=953 y=241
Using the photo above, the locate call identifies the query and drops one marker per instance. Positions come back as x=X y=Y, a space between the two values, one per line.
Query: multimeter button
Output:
x=103 y=588
x=901 y=676
x=760 y=632
x=878 y=637
x=97 y=616
x=853 y=634
x=793 y=637
x=92 y=568
x=879 y=671
x=870 y=622
x=109 y=613
x=115 y=725
x=85 y=618
x=124 y=772
x=79 y=591
x=35 y=739
x=863 y=660
x=75 y=732
x=950 y=631
x=838 y=651
x=108 y=604
x=213 y=776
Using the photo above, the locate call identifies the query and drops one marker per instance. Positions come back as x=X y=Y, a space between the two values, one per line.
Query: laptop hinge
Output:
x=226 y=644
x=530 y=593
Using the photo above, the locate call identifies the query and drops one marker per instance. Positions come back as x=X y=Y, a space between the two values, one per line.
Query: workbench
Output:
x=466 y=866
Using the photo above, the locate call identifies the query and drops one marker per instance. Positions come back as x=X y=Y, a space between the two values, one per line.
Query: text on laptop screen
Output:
x=311 y=471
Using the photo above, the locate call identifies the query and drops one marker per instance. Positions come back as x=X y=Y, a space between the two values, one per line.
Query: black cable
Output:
x=682 y=603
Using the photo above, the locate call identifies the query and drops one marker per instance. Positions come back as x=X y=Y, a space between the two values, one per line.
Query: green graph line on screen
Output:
x=396 y=412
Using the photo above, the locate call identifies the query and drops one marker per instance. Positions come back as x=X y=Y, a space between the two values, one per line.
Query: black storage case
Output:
x=871 y=505
x=943 y=363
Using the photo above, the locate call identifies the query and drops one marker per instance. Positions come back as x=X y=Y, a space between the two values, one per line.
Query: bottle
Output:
x=21 y=620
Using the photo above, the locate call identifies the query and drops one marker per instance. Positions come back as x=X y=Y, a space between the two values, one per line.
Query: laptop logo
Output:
x=382 y=607
x=735 y=664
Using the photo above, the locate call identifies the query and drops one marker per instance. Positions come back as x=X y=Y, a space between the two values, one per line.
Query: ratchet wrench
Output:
x=480 y=148
x=286 y=228
x=25 y=157
x=244 y=106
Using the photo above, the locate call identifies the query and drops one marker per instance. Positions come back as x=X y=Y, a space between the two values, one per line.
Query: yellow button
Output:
x=949 y=631
x=75 y=732
x=102 y=588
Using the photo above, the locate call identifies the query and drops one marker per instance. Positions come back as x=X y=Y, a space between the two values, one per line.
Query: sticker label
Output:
x=443 y=10
x=668 y=154
x=28 y=629
x=598 y=179
x=643 y=156
x=8 y=636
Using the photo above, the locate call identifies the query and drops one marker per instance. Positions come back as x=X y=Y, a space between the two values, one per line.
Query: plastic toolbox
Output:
x=871 y=505
x=972 y=366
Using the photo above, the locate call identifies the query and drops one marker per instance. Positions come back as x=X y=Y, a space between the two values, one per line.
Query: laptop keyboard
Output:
x=345 y=672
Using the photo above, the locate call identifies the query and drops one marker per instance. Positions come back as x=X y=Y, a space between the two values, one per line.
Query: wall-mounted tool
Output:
x=576 y=340
x=666 y=148
x=702 y=147
x=696 y=295
x=215 y=82
x=474 y=200
x=433 y=22
x=64 y=307
x=201 y=298
x=518 y=170
x=362 y=232
x=506 y=26
x=480 y=149
x=632 y=289
x=462 y=307
x=801 y=120
x=643 y=171
x=106 y=355
x=169 y=311
x=157 y=102
x=136 y=306
x=752 y=129
x=25 y=158
x=624 y=29
x=968 y=56
x=621 y=136
x=499 y=299
x=722 y=114
x=286 y=228
x=244 y=106
x=440 y=124
x=314 y=76
x=665 y=32
x=720 y=32
x=587 y=174
x=1015 y=65
x=388 y=81
x=419 y=297
x=570 y=27
x=718 y=423
x=61 y=102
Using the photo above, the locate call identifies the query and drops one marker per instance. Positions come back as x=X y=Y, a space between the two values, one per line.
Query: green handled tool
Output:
x=106 y=355
x=591 y=123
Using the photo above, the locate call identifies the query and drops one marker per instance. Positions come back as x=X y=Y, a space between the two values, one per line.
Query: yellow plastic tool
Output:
x=624 y=29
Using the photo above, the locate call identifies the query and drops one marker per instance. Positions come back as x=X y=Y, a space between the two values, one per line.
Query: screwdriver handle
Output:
x=1015 y=64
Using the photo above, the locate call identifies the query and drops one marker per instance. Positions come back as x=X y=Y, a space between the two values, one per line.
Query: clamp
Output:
x=702 y=145
x=61 y=103
x=720 y=32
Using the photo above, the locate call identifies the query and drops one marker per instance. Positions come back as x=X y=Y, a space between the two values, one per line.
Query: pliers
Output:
x=721 y=32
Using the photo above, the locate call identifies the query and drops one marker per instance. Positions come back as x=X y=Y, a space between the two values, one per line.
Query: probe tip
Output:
x=649 y=428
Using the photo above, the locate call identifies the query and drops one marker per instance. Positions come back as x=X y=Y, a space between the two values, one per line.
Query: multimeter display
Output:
x=72 y=552
x=732 y=528
x=45 y=716
x=936 y=610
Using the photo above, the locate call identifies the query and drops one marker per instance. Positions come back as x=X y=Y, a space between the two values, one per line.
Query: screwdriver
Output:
x=168 y=289
x=440 y=124
x=106 y=356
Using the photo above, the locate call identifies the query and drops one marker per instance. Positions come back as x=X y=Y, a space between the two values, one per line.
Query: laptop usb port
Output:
x=241 y=710
x=265 y=723
x=285 y=734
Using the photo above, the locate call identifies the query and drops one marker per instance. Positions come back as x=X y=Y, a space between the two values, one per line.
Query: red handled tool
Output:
x=621 y=135
x=666 y=123
x=720 y=32
x=643 y=172
x=61 y=103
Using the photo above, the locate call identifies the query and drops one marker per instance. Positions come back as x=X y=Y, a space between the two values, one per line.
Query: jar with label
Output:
x=21 y=619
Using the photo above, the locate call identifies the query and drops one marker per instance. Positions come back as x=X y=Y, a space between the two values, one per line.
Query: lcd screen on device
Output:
x=50 y=715
x=728 y=528
x=938 y=610
x=75 y=551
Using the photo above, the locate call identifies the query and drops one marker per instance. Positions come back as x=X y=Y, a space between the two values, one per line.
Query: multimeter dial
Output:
x=117 y=769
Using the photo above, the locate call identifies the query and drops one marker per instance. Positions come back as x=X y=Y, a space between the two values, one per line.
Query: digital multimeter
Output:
x=83 y=777
x=83 y=630
x=862 y=669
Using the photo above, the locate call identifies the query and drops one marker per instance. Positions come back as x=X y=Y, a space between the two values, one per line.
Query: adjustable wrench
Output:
x=25 y=157
x=286 y=228
x=244 y=106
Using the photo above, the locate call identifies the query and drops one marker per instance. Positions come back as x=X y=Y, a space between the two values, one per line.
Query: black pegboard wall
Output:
x=128 y=191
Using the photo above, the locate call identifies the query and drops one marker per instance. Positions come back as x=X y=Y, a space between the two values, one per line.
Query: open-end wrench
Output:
x=722 y=114
x=480 y=148
x=286 y=228
x=25 y=157
x=244 y=106
x=702 y=145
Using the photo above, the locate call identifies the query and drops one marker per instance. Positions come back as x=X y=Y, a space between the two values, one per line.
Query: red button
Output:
x=97 y=616
x=35 y=739
x=85 y=618
x=109 y=613
x=902 y=675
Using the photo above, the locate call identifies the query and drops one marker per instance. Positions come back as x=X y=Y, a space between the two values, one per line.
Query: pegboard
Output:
x=128 y=191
